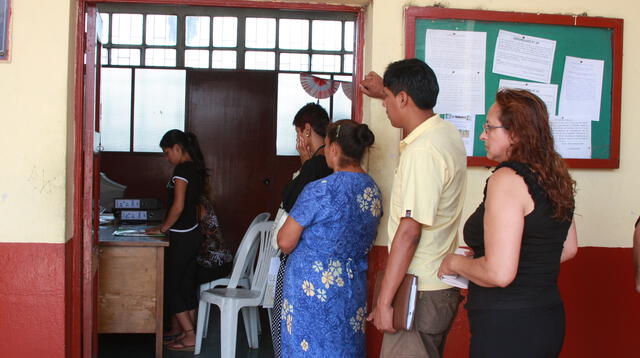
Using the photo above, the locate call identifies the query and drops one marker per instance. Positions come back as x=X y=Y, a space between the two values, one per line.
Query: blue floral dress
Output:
x=325 y=283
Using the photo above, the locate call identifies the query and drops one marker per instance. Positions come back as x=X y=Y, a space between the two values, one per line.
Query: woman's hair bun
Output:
x=364 y=135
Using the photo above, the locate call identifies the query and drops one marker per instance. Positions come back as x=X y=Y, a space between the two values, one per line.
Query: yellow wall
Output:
x=608 y=201
x=34 y=98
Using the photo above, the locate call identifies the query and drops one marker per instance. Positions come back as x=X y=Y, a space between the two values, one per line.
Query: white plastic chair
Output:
x=244 y=280
x=232 y=299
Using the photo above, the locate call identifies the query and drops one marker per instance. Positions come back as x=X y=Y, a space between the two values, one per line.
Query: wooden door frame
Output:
x=82 y=178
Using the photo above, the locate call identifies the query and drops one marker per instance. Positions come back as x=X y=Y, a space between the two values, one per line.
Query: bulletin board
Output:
x=4 y=29
x=581 y=37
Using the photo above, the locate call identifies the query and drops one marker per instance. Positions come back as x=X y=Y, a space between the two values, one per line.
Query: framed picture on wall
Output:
x=4 y=29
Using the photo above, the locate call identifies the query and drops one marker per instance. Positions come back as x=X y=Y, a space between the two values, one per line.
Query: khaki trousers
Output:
x=434 y=314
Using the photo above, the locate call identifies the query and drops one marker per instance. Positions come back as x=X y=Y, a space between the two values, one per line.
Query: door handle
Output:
x=266 y=181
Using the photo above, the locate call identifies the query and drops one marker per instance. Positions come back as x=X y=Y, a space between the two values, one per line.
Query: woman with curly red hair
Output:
x=520 y=233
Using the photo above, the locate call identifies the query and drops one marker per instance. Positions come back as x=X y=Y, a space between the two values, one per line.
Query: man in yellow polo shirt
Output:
x=425 y=208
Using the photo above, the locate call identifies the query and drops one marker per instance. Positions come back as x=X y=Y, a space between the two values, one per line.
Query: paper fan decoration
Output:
x=318 y=87
x=347 y=89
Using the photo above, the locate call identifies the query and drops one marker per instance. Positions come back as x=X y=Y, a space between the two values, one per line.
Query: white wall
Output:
x=608 y=201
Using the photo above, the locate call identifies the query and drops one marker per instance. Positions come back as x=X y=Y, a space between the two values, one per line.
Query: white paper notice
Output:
x=572 y=136
x=581 y=90
x=548 y=93
x=524 y=56
x=466 y=124
x=458 y=59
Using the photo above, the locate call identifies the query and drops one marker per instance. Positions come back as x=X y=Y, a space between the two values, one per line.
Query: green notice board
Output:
x=590 y=42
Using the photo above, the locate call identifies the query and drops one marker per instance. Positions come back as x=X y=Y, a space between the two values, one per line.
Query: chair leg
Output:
x=246 y=319
x=206 y=319
x=204 y=306
x=255 y=324
x=259 y=325
x=228 y=330
x=204 y=287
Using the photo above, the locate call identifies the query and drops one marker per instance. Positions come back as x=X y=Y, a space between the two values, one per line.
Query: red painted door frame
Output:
x=90 y=189
x=81 y=260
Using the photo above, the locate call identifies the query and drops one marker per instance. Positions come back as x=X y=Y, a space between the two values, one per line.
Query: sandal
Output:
x=180 y=346
x=171 y=338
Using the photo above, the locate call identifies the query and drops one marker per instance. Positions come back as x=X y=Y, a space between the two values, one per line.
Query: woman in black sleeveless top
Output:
x=186 y=185
x=520 y=233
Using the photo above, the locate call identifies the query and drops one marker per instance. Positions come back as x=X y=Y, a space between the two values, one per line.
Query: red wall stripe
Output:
x=602 y=307
x=32 y=300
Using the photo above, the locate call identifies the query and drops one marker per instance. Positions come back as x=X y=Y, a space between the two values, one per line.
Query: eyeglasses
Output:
x=487 y=127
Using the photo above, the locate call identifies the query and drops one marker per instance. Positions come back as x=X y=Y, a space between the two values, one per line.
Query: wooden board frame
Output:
x=413 y=14
x=5 y=17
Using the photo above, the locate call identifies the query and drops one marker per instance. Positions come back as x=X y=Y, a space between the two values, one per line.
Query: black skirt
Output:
x=522 y=333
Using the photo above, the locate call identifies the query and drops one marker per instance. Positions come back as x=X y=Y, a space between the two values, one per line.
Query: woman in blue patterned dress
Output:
x=329 y=233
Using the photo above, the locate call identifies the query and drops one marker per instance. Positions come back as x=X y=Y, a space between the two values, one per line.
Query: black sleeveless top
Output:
x=188 y=172
x=535 y=284
x=313 y=169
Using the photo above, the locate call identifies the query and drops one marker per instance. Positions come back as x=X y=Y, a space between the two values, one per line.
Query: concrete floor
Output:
x=141 y=345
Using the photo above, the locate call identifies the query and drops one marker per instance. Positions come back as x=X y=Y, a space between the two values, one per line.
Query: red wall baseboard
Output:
x=32 y=300
x=602 y=307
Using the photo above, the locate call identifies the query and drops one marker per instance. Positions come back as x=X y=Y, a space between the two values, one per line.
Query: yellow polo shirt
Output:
x=429 y=186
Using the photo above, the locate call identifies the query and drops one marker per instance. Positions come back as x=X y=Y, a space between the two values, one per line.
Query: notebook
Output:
x=404 y=302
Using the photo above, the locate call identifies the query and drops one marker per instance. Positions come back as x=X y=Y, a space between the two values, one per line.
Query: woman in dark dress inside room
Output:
x=214 y=258
x=185 y=238
x=520 y=233
x=311 y=123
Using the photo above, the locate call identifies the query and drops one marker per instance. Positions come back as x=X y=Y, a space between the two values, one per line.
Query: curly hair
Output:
x=526 y=117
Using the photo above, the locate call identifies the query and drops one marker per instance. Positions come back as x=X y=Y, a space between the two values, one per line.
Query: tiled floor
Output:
x=141 y=345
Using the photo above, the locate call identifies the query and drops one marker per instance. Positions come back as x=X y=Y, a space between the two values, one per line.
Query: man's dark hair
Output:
x=315 y=115
x=414 y=77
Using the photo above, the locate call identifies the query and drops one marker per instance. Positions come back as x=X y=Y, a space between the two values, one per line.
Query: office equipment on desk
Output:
x=109 y=190
x=138 y=210
x=133 y=203
x=140 y=216
x=550 y=55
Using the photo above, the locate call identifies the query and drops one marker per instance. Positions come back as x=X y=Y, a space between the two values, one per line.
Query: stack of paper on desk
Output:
x=134 y=232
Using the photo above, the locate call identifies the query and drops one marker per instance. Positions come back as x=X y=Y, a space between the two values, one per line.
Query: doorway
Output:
x=274 y=172
x=233 y=114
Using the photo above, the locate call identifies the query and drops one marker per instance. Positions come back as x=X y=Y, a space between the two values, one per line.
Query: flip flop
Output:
x=170 y=338
x=179 y=346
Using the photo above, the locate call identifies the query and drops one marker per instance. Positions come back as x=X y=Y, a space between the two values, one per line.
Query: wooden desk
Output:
x=130 y=277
